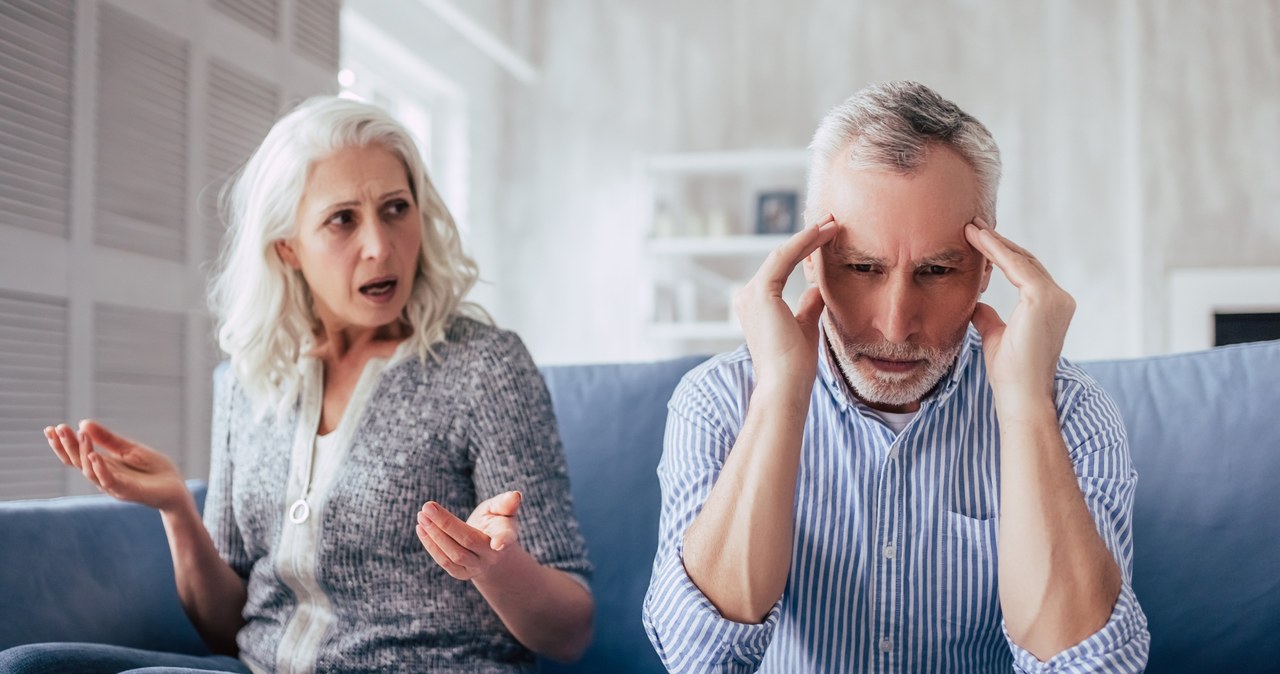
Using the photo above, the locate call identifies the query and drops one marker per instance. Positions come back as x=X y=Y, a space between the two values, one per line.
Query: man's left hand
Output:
x=1022 y=355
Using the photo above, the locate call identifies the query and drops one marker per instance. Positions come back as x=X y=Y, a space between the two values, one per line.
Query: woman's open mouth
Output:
x=380 y=290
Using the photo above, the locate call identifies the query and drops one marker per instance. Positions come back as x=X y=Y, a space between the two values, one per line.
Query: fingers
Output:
x=809 y=312
x=104 y=437
x=462 y=534
x=987 y=321
x=1019 y=267
x=506 y=504
x=451 y=567
x=55 y=443
x=782 y=261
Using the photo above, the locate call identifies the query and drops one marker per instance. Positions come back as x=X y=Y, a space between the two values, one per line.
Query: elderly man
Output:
x=871 y=484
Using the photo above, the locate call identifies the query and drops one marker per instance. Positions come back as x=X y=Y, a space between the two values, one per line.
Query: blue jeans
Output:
x=56 y=658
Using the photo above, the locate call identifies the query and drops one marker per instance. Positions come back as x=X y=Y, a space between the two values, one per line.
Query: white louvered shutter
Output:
x=36 y=58
x=315 y=30
x=241 y=109
x=33 y=393
x=263 y=16
x=141 y=170
x=138 y=381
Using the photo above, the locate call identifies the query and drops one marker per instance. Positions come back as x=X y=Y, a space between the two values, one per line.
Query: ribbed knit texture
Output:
x=457 y=429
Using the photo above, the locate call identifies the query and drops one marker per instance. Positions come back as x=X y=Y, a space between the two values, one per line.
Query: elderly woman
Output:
x=358 y=389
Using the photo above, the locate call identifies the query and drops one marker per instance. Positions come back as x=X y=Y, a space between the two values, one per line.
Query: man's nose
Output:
x=897 y=314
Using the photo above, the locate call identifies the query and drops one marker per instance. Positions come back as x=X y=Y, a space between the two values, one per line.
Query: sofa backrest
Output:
x=612 y=419
x=1204 y=436
x=89 y=568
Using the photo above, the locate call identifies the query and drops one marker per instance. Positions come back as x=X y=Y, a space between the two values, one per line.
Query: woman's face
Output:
x=357 y=238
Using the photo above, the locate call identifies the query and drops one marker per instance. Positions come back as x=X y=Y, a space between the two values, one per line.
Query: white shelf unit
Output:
x=702 y=243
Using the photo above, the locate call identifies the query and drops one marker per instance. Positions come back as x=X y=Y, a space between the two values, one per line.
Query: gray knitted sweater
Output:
x=457 y=430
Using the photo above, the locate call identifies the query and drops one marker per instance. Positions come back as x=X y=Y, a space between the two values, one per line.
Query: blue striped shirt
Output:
x=893 y=566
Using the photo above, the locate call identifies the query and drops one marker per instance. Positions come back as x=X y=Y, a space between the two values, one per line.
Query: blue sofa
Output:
x=1207 y=563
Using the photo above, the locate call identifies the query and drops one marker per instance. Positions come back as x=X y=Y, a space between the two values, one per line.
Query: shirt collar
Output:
x=834 y=381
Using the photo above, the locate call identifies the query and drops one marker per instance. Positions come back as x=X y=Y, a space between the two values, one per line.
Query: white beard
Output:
x=893 y=388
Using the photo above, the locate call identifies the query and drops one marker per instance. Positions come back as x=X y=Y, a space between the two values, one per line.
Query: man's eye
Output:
x=937 y=270
x=862 y=268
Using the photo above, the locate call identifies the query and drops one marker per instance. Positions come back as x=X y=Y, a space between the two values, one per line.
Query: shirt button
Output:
x=885 y=645
x=889 y=551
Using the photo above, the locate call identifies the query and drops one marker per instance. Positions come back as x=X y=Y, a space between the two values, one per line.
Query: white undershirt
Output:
x=896 y=421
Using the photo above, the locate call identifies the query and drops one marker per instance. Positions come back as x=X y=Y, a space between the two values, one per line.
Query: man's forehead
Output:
x=847 y=248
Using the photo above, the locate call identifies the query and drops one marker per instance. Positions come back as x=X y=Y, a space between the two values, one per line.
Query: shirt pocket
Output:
x=969 y=601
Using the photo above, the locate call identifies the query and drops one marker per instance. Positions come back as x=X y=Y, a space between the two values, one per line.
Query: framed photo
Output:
x=777 y=212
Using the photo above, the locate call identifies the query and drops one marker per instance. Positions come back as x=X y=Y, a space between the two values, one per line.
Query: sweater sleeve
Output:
x=516 y=446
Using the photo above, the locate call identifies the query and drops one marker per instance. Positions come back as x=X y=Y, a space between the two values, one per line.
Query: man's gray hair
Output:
x=891 y=125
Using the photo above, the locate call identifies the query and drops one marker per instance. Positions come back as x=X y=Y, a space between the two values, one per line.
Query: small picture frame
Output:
x=777 y=212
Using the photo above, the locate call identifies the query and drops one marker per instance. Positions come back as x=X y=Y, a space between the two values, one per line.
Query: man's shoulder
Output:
x=723 y=378
x=730 y=369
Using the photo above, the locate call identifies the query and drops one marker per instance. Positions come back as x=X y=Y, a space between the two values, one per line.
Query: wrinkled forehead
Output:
x=884 y=213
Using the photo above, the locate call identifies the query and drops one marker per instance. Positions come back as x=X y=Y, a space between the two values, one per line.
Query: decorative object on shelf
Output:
x=664 y=224
x=777 y=212
x=718 y=223
x=694 y=224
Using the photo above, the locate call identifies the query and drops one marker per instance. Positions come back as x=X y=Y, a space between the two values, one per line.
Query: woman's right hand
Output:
x=127 y=470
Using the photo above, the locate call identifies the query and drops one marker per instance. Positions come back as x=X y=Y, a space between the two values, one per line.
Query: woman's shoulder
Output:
x=466 y=335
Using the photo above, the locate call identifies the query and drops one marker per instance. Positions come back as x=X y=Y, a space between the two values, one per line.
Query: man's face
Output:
x=899 y=280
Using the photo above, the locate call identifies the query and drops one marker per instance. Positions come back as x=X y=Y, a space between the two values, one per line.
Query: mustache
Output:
x=895 y=351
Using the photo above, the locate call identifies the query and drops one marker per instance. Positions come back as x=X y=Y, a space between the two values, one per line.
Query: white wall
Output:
x=1138 y=136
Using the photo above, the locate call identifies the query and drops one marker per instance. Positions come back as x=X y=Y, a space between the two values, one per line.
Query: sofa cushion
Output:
x=1202 y=428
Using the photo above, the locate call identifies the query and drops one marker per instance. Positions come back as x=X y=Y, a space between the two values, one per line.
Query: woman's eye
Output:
x=341 y=219
x=397 y=208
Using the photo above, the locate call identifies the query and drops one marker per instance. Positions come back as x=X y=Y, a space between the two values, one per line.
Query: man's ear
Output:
x=986 y=275
x=285 y=251
x=812 y=267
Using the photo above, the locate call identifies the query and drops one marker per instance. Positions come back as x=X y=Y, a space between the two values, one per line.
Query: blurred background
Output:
x=618 y=168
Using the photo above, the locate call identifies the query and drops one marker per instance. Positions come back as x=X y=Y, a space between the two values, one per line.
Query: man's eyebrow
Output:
x=948 y=256
x=846 y=253
x=851 y=254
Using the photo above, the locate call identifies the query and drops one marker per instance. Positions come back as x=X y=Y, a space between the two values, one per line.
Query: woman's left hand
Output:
x=468 y=550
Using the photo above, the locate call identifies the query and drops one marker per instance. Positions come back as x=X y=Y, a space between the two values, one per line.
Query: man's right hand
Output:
x=783 y=345
x=128 y=470
x=738 y=549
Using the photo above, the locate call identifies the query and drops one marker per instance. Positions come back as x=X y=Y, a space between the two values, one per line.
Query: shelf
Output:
x=716 y=246
x=696 y=330
x=729 y=162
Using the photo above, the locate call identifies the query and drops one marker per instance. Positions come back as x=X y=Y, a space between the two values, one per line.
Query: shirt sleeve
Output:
x=219 y=513
x=516 y=446
x=685 y=628
x=1099 y=449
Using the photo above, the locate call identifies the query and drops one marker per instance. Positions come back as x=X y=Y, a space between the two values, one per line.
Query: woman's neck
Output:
x=336 y=344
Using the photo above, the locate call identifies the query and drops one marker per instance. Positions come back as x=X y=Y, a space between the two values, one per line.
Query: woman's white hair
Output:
x=890 y=126
x=262 y=307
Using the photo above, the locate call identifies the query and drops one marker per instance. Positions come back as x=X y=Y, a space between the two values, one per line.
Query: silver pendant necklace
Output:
x=301 y=510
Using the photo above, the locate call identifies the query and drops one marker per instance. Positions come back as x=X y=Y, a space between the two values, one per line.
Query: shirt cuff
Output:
x=688 y=631
x=1122 y=645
